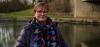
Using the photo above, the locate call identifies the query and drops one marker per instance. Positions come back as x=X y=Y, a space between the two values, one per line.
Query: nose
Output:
x=43 y=13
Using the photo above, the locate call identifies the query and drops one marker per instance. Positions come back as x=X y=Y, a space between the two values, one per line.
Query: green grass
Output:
x=25 y=14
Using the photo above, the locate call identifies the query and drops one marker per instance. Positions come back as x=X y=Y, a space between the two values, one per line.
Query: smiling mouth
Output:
x=42 y=16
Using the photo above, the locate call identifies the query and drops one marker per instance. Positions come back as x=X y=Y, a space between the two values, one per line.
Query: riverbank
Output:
x=79 y=20
x=25 y=15
x=59 y=20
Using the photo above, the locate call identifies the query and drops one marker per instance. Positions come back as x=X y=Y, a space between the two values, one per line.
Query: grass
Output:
x=26 y=14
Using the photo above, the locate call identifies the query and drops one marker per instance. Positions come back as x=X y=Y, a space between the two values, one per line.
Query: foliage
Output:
x=14 y=5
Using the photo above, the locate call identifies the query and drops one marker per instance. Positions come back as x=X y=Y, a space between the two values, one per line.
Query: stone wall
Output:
x=87 y=9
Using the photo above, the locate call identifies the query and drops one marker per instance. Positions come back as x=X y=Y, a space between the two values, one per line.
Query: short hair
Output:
x=41 y=4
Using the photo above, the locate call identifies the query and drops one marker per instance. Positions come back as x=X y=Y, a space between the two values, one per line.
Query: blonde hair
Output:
x=41 y=4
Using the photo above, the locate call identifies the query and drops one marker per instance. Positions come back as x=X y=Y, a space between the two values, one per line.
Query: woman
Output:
x=41 y=31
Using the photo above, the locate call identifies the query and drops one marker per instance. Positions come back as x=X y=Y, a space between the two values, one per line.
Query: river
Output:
x=76 y=35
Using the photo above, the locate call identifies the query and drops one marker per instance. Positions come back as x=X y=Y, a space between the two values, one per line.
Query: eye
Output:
x=39 y=11
x=42 y=11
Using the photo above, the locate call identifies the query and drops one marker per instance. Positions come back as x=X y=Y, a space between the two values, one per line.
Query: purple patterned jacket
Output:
x=35 y=35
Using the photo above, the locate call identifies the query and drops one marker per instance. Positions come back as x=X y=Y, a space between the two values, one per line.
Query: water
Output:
x=76 y=35
x=9 y=33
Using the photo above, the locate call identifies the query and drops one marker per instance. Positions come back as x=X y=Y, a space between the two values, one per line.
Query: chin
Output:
x=42 y=20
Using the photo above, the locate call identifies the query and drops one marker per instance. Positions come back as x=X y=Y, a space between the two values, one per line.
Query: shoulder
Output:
x=30 y=25
x=26 y=30
x=27 y=26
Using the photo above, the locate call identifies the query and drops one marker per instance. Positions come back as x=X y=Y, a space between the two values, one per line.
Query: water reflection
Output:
x=87 y=35
x=8 y=34
x=76 y=35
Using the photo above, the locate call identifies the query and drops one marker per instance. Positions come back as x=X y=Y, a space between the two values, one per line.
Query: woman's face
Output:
x=41 y=14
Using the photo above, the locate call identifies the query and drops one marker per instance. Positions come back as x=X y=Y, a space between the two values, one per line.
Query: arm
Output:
x=23 y=38
x=21 y=41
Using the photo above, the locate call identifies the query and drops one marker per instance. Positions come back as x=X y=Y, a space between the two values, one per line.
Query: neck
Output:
x=42 y=22
x=39 y=22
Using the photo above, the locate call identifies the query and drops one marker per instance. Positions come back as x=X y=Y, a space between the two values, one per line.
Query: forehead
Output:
x=42 y=8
